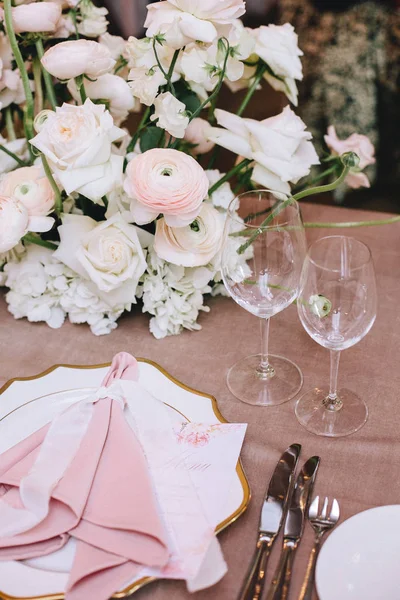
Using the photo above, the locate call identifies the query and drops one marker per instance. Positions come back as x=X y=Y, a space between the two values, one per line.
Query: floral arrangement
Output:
x=94 y=218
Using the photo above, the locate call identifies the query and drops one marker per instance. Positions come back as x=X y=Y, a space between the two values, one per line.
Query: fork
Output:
x=321 y=523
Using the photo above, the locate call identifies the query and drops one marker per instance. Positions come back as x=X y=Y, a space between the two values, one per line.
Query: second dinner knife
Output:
x=271 y=518
x=293 y=529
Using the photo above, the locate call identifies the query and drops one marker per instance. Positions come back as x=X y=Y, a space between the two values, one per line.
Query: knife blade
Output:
x=271 y=518
x=293 y=529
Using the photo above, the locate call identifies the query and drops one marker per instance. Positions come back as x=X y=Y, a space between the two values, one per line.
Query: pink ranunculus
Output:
x=197 y=133
x=70 y=59
x=36 y=17
x=14 y=220
x=360 y=144
x=32 y=188
x=165 y=181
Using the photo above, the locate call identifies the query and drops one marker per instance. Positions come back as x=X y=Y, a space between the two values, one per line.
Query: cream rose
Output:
x=111 y=88
x=197 y=133
x=184 y=21
x=108 y=254
x=30 y=186
x=77 y=140
x=15 y=222
x=170 y=114
x=70 y=59
x=36 y=17
x=194 y=245
x=280 y=146
x=165 y=181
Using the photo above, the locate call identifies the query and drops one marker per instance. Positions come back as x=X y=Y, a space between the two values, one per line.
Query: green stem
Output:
x=323 y=188
x=228 y=175
x=12 y=155
x=33 y=239
x=37 y=77
x=10 y=124
x=258 y=76
x=29 y=114
x=354 y=223
x=58 y=206
x=48 y=82
x=318 y=177
x=171 y=70
x=140 y=127
x=158 y=60
x=264 y=224
x=217 y=88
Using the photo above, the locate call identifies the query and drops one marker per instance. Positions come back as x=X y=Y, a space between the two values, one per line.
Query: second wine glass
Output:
x=263 y=251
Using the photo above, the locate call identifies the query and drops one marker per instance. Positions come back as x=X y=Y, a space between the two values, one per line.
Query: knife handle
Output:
x=279 y=589
x=254 y=583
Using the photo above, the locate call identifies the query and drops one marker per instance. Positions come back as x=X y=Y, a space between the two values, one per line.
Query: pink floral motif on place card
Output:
x=199 y=434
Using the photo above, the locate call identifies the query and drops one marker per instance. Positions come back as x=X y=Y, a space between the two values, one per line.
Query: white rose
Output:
x=197 y=133
x=280 y=146
x=70 y=59
x=108 y=254
x=277 y=45
x=171 y=114
x=77 y=140
x=193 y=245
x=17 y=147
x=183 y=21
x=111 y=88
x=145 y=83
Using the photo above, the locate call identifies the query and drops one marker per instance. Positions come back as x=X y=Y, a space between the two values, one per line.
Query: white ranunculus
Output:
x=277 y=45
x=145 y=83
x=194 y=245
x=91 y=19
x=15 y=222
x=280 y=146
x=17 y=147
x=111 y=88
x=72 y=58
x=108 y=254
x=77 y=140
x=183 y=21
x=171 y=114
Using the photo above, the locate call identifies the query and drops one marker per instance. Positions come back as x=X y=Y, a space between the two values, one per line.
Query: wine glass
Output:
x=337 y=307
x=262 y=255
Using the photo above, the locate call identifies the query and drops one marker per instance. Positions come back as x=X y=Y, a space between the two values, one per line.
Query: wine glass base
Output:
x=248 y=386
x=315 y=417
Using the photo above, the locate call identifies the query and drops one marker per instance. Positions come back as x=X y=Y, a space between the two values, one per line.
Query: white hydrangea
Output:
x=43 y=289
x=174 y=296
x=15 y=254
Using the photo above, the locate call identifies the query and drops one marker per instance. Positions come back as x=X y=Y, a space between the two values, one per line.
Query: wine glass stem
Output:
x=332 y=401
x=265 y=371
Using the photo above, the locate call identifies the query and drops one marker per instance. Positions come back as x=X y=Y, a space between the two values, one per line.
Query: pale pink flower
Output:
x=165 y=181
x=70 y=59
x=30 y=186
x=15 y=222
x=197 y=133
x=362 y=146
x=36 y=17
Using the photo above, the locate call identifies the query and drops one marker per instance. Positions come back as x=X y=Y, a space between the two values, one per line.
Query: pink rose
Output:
x=31 y=187
x=165 y=181
x=360 y=144
x=39 y=16
x=67 y=60
x=197 y=133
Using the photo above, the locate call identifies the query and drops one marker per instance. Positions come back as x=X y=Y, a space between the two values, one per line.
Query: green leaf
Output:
x=187 y=96
x=150 y=138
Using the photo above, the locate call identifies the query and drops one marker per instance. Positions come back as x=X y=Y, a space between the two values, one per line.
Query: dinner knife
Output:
x=271 y=518
x=293 y=529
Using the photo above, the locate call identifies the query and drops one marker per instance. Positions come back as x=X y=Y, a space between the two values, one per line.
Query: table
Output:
x=361 y=471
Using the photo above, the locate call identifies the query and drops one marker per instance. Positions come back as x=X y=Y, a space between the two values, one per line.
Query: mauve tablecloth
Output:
x=361 y=471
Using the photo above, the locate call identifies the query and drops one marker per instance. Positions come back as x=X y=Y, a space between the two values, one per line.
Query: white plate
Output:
x=360 y=559
x=28 y=404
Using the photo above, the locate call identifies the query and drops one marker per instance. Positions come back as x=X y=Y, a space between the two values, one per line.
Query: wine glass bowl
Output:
x=261 y=260
x=337 y=308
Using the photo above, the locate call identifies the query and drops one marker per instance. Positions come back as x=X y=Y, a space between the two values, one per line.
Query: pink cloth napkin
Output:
x=103 y=498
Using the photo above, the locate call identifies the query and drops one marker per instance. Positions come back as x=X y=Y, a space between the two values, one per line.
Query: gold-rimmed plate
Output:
x=26 y=404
